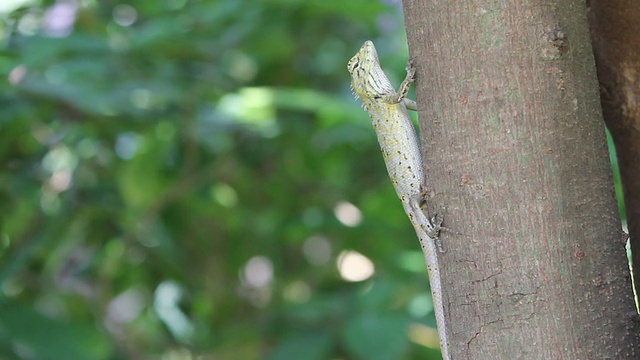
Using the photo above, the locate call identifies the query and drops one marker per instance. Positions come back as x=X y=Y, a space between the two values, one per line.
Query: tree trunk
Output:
x=615 y=31
x=515 y=149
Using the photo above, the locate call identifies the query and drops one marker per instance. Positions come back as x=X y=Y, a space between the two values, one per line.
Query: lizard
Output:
x=398 y=141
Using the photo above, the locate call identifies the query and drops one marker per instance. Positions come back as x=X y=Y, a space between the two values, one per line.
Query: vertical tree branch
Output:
x=516 y=151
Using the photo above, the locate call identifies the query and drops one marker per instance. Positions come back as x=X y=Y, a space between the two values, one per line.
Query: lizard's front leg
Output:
x=403 y=90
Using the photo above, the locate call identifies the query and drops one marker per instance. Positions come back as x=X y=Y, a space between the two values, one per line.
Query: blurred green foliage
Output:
x=187 y=179
x=190 y=179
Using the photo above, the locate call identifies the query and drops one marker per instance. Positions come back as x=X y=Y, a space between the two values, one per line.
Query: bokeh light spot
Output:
x=354 y=266
x=258 y=272
x=125 y=15
x=317 y=250
x=348 y=214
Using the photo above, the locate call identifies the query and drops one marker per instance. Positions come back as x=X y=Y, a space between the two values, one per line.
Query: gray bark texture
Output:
x=515 y=149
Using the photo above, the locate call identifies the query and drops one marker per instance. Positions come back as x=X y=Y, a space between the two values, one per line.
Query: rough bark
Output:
x=615 y=31
x=515 y=150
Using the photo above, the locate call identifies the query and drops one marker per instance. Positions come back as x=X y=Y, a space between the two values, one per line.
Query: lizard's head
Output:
x=363 y=58
x=367 y=78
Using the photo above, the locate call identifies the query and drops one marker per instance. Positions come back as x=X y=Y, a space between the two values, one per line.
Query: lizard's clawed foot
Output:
x=435 y=227
x=411 y=69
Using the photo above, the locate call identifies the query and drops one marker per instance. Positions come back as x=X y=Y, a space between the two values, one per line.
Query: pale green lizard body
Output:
x=401 y=151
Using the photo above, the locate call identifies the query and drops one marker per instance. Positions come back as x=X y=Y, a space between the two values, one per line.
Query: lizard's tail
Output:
x=429 y=250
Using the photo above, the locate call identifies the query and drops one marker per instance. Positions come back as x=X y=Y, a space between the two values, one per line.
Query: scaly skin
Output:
x=399 y=144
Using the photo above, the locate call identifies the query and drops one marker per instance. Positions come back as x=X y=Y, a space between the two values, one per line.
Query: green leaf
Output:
x=311 y=346
x=44 y=338
x=377 y=336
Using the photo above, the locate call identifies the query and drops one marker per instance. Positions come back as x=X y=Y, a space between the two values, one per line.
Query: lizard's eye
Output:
x=353 y=64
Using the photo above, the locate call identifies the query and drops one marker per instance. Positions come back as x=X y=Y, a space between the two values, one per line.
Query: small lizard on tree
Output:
x=401 y=151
